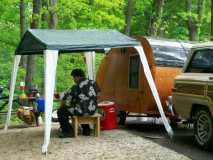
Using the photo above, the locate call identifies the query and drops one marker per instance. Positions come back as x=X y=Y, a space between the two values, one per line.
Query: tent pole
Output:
x=93 y=64
x=90 y=61
x=153 y=89
x=51 y=57
x=12 y=88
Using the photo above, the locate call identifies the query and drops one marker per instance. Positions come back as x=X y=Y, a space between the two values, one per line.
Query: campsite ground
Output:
x=136 y=141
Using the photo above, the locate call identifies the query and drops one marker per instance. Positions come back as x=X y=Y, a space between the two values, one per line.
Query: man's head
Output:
x=77 y=74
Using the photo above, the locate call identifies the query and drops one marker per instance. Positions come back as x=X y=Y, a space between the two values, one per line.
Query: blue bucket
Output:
x=40 y=104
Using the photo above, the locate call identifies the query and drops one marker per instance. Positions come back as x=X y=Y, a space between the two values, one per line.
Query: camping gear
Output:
x=109 y=118
x=40 y=104
x=33 y=92
x=26 y=114
x=22 y=96
x=38 y=109
x=22 y=85
x=52 y=42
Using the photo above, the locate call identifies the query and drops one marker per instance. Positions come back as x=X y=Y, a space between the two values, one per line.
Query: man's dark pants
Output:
x=63 y=118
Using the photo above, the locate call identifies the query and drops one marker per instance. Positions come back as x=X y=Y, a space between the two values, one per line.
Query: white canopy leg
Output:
x=153 y=89
x=51 y=57
x=12 y=88
x=90 y=61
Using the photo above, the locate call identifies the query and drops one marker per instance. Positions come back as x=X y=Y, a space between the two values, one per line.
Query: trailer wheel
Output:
x=122 y=116
x=203 y=129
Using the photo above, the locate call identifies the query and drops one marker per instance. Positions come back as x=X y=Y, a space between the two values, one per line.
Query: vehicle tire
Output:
x=203 y=129
x=122 y=116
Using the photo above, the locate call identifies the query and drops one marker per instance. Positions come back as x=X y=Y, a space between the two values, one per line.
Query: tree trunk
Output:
x=22 y=29
x=211 y=20
x=53 y=19
x=31 y=58
x=129 y=11
x=22 y=18
x=91 y=2
x=156 y=18
x=159 y=15
x=194 y=25
x=36 y=14
x=151 y=28
x=200 y=6
x=44 y=16
x=191 y=25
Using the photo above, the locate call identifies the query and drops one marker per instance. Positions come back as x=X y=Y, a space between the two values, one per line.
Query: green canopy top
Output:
x=35 y=41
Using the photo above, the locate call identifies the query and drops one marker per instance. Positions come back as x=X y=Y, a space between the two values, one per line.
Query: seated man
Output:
x=80 y=99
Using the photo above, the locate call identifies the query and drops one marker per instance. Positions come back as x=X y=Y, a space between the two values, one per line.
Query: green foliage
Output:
x=81 y=14
x=66 y=63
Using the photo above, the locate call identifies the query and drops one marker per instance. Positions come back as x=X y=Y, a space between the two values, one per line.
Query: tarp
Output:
x=170 y=53
x=52 y=42
x=35 y=41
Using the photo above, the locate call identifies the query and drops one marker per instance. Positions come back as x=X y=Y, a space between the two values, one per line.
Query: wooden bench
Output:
x=90 y=119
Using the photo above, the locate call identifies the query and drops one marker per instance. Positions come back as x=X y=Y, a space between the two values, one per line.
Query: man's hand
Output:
x=62 y=104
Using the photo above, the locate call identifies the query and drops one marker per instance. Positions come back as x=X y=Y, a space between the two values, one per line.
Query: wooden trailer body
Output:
x=122 y=80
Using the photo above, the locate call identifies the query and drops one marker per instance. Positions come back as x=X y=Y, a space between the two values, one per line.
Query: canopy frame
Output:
x=51 y=57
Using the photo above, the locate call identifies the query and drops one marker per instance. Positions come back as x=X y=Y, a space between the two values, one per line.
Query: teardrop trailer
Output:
x=52 y=42
x=122 y=79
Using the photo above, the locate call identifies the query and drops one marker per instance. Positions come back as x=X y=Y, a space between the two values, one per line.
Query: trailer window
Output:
x=134 y=62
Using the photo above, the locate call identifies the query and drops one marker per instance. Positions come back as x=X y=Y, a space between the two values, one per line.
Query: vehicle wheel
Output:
x=122 y=116
x=203 y=129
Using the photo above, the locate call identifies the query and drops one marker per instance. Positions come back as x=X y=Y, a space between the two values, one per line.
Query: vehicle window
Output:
x=134 y=63
x=201 y=62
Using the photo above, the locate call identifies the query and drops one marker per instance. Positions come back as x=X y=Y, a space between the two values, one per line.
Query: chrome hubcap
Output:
x=203 y=127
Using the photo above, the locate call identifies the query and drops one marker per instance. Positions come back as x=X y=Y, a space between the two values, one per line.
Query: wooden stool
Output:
x=90 y=119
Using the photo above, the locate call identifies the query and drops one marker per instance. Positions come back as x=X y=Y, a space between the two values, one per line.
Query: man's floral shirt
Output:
x=81 y=99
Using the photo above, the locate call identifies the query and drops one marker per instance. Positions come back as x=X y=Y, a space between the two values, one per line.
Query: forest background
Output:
x=173 y=19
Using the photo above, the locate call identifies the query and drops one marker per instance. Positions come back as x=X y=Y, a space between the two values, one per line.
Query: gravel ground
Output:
x=118 y=144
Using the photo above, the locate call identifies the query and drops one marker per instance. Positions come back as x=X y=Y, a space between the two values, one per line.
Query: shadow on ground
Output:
x=182 y=141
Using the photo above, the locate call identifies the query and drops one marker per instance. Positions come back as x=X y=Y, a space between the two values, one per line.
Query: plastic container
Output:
x=109 y=120
x=40 y=104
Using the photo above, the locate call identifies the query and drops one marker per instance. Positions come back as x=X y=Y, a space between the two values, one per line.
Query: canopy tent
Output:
x=53 y=42
x=35 y=41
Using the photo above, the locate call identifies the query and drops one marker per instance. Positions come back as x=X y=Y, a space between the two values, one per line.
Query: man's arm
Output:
x=68 y=97
x=62 y=104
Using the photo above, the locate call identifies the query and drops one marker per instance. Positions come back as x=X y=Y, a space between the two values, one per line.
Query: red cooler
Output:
x=108 y=121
